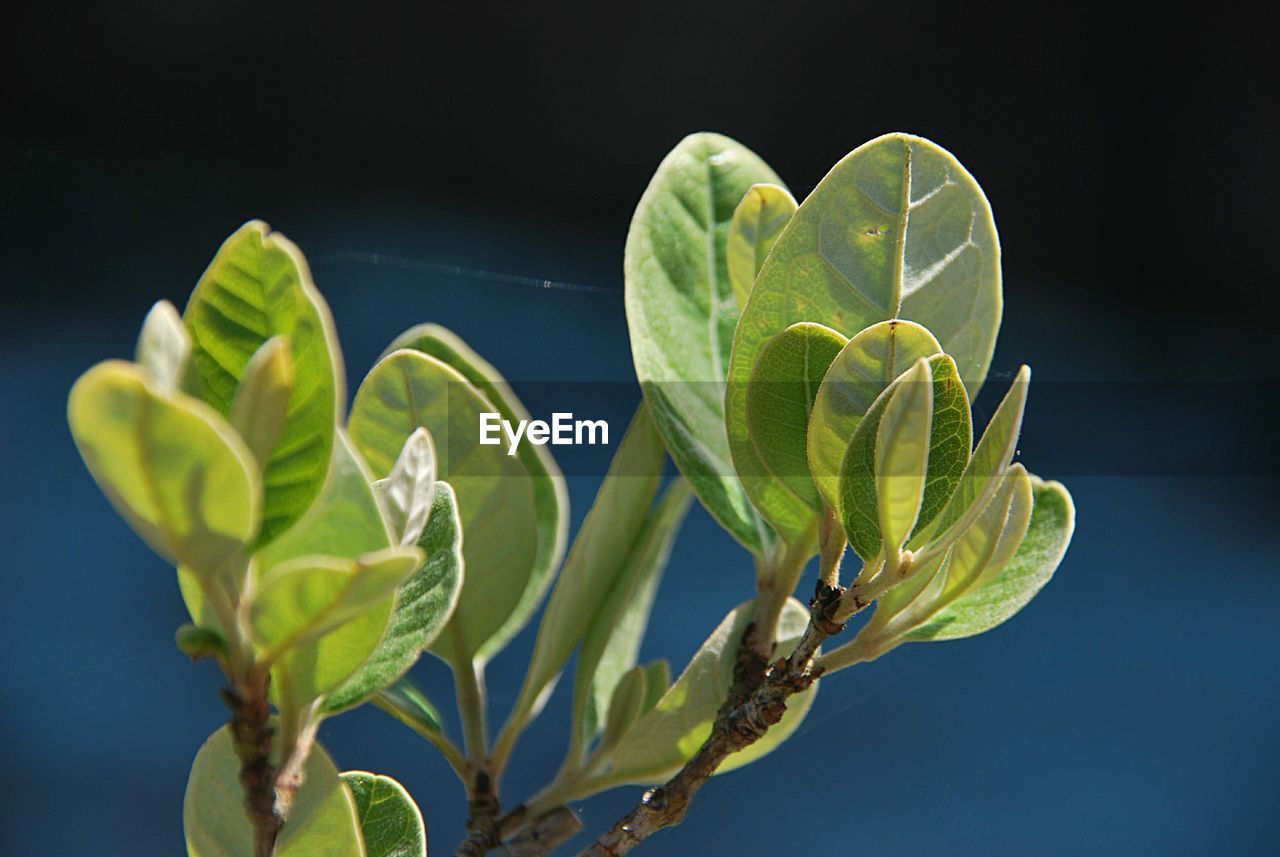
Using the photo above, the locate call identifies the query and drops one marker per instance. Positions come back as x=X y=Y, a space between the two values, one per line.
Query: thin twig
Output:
x=746 y=715
x=483 y=811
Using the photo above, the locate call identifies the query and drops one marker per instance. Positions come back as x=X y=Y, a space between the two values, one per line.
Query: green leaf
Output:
x=668 y=736
x=347 y=519
x=902 y=458
x=407 y=491
x=897 y=229
x=657 y=679
x=625 y=707
x=757 y=222
x=164 y=350
x=308 y=597
x=599 y=556
x=257 y=287
x=423 y=604
x=681 y=314
x=868 y=363
x=550 y=505
x=171 y=466
x=322 y=821
x=261 y=404
x=783 y=387
x=320 y=618
x=407 y=703
x=199 y=643
x=950 y=434
x=997 y=597
x=989 y=461
x=612 y=642
x=390 y=822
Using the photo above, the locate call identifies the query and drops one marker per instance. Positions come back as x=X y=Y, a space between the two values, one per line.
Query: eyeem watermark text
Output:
x=563 y=430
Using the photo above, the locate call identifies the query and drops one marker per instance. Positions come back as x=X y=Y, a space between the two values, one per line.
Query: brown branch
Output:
x=484 y=810
x=756 y=701
x=252 y=735
x=543 y=835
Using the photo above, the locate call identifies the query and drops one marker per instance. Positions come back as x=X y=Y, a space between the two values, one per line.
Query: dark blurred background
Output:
x=476 y=165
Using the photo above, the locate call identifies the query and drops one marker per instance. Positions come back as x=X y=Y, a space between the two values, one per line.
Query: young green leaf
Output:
x=783 y=387
x=997 y=597
x=896 y=229
x=902 y=458
x=657 y=679
x=308 y=597
x=550 y=495
x=599 y=556
x=949 y=438
x=257 y=287
x=164 y=350
x=625 y=707
x=199 y=643
x=408 y=489
x=868 y=363
x=668 y=736
x=612 y=641
x=408 y=704
x=990 y=458
x=423 y=604
x=261 y=403
x=681 y=314
x=322 y=820
x=504 y=530
x=171 y=466
x=347 y=519
x=757 y=222
x=390 y=822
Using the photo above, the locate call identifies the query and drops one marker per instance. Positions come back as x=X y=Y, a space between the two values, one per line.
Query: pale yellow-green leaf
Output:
x=902 y=457
x=681 y=314
x=550 y=504
x=784 y=385
x=409 y=487
x=668 y=736
x=757 y=222
x=164 y=350
x=258 y=286
x=322 y=821
x=868 y=363
x=261 y=402
x=897 y=229
x=172 y=467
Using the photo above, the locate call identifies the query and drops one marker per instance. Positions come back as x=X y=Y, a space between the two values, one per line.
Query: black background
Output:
x=1127 y=151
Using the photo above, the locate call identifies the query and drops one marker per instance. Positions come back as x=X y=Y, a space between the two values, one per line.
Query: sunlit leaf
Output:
x=423 y=604
x=550 y=498
x=783 y=388
x=390 y=821
x=261 y=403
x=503 y=529
x=171 y=466
x=868 y=363
x=408 y=489
x=258 y=286
x=599 y=557
x=681 y=313
x=897 y=229
x=998 y=596
x=625 y=706
x=612 y=642
x=990 y=457
x=668 y=736
x=322 y=821
x=164 y=350
x=407 y=703
x=950 y=434
x=902 y=456
x=757 y=222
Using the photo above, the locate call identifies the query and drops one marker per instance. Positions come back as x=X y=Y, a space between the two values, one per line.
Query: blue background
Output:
x=1129 y=709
